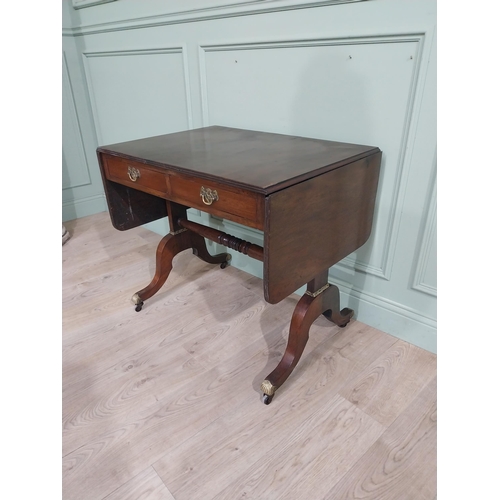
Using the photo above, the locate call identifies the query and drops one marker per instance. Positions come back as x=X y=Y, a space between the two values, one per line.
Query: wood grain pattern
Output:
x=241 y=157
x=323 y=446
x=240 y=205
x=382 y=391
x=145 y=486
x=402 y=462
x=148 y=179
x=172 y=393
x=192 y=471
x=313 y=225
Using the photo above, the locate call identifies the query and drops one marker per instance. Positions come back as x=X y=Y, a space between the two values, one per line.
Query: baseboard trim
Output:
x=81 y=208
x=390 y=317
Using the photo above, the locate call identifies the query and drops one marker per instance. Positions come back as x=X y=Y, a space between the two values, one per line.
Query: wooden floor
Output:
x=165 y=403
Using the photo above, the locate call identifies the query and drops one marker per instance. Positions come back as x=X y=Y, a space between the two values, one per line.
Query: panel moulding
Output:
x=424 y=249
x=80 y=4
x=212 y=10
x=76 y=129
x=136 y=52
x=381 y=301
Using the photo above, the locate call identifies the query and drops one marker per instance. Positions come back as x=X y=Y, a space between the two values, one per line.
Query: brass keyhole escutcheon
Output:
x=133 y=173
x=208 y=196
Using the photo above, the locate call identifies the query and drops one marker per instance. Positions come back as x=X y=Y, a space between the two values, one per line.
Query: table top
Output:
x=258 y=161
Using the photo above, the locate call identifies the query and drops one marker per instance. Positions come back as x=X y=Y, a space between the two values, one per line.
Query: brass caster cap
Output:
x=267 y=388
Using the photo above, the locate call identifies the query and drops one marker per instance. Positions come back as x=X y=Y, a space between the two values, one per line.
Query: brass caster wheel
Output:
x=137 y=301
x=266 y=399
x=225 y=264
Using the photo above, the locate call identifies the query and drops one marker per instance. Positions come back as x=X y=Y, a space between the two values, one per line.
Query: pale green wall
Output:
x=362 y=72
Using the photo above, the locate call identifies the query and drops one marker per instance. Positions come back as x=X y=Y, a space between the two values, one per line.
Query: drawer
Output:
x=136 y=175
x=227 y=202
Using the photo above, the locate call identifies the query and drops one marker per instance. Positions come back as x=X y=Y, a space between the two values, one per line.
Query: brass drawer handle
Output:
x=208 y=196
x=133 y=173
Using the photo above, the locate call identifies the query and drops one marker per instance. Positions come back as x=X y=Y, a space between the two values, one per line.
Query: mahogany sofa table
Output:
x=313 y=200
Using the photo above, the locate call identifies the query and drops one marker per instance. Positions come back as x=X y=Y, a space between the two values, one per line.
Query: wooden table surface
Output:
x=259 y=161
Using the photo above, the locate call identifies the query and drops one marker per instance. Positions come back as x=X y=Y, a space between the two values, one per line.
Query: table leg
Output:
x=199 y=246
x=168 y=248
x=325 y=300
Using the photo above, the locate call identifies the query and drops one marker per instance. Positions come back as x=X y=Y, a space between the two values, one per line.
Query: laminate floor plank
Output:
x=165 y=403
x=194 y=472
x=180 y=413
x=322 y=447
x=123 y=316
x=401 y=464
x=145 y=486
x=100 y=247
x=158 y=364
x=109 y=329
x=121 y=453
x=382 y=391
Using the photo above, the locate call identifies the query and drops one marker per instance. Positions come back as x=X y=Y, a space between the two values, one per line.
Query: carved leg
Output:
x=340 y=318
x=325 y=300
x=177 y=213
x=168 y=248
x=201 y=251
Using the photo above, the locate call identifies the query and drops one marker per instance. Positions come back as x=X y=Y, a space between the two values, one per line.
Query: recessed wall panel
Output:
x=358 y=91
x=137 y=94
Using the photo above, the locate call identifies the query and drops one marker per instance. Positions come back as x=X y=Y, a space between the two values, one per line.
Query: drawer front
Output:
x=136 y=175
x=228 y=202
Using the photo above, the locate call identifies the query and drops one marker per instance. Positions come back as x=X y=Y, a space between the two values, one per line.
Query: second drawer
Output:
x=228 y=202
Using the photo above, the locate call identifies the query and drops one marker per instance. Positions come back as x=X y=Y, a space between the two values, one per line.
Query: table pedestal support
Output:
x=320 y=298
x=168 y=248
